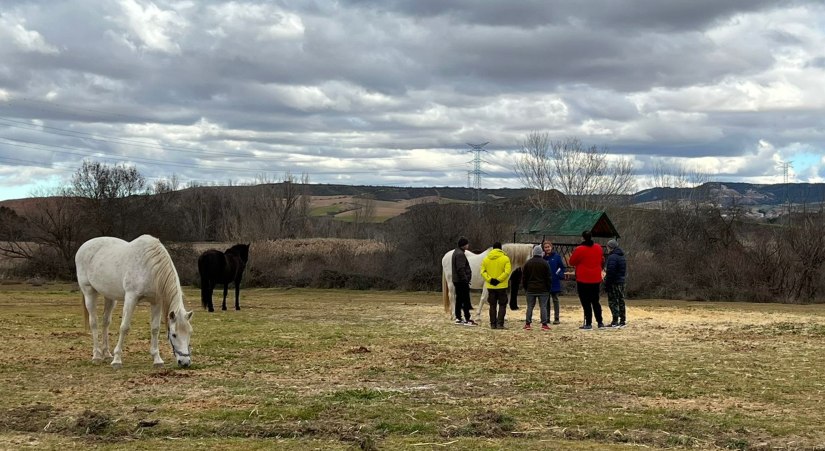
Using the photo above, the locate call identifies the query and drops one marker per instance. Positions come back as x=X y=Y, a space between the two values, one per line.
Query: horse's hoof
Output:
x=223 y=308
x=211 y=310
x=237 y=308
x=97 y=360
x=117 y=366
x=158 y=365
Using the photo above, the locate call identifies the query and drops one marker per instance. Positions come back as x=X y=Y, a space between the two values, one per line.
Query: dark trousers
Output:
x=555 y=298
x=462 y=300
x=498 y=306
x=589 y=297
x=615 y=300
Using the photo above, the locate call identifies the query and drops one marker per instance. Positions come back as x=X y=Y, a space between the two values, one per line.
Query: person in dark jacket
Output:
x=462 y=275
x=537 y=280
x=557 y=270
x=615 y=272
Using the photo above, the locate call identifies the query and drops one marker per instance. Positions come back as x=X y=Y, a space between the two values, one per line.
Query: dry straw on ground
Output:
x=318 y=369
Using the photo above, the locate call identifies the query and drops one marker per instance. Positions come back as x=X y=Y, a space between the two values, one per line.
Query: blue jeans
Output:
x=531 y=302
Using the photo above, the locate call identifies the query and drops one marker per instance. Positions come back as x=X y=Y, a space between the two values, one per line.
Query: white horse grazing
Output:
x=131 y=271
x=517 y=252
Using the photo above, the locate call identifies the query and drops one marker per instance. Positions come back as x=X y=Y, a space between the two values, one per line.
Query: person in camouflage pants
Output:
x=615 y=272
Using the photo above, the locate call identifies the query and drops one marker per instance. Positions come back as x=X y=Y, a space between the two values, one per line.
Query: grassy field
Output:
x=315 y=369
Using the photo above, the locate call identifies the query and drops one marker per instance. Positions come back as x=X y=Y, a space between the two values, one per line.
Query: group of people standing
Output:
x=591 y=271
x=542 y=280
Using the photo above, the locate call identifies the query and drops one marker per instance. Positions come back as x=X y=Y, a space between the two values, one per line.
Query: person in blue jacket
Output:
x=557 y=271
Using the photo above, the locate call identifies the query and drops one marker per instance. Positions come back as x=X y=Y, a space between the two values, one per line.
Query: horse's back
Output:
x=108 y=264
x=213 y=265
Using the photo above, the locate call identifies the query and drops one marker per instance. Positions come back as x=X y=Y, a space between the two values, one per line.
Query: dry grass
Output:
x=314 y=247
x=298 y=369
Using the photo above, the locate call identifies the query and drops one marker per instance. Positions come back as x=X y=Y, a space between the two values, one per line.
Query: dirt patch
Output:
x=34 y=418
x=483 y=424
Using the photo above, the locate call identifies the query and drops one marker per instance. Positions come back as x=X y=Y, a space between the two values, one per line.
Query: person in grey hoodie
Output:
x=615 y=272
x=537 y=280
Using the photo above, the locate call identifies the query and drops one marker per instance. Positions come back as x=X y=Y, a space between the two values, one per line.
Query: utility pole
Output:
x=785 y=166
x=477 y=149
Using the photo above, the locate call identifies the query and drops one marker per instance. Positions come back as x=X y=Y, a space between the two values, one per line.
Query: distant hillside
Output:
x=739 y=193
x=339 y=200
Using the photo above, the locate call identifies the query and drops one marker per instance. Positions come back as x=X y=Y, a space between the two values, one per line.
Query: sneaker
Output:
x=470 y=323
x=459 y=322
x=621 y=325
x=493 y=326
x=601 y=326
x=545 y=327
x=527 y=326
x=556 y=321
x=586 y=327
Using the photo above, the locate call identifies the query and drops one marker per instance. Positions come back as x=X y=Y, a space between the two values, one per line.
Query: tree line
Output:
x=686 y=248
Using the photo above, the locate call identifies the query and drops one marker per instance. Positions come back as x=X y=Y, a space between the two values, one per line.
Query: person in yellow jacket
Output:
x=495 y=269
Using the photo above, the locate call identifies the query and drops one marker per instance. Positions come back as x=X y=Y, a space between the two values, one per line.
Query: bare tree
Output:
x=102 y=186
x=169 y=185
x=364 y=210
x=586 y=175
x=534 y=168
x=688 y=183
x=15 y=236
x=291 y=205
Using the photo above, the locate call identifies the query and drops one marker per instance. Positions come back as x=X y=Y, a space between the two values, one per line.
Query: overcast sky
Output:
x=390 y=92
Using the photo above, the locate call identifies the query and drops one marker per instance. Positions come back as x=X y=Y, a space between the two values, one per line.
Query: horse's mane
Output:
x=518 y=253
x=167 y=283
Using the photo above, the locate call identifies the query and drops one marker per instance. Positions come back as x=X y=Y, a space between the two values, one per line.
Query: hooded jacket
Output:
x=616 y=267
x=496 y=265
x=536 y=277
x=588 y=260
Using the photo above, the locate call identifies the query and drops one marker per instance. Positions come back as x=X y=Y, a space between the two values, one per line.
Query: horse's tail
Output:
x=85 y=312
x=445 y=290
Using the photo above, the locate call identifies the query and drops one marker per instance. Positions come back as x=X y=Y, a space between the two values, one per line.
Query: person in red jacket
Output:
x=589 y=261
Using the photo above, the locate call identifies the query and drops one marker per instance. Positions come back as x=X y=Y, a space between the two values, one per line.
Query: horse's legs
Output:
x=128 y=308
x=451 y=289
x=108 y=307
x=225 y=290
x=237 y=295
x=90 y=299
x=211 y=291
x=482 y=301
x=154 y=325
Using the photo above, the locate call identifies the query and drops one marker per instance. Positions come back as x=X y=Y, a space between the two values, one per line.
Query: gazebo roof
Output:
x=567 y=223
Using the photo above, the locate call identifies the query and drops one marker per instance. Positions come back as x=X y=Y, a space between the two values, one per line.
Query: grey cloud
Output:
x=367 y=79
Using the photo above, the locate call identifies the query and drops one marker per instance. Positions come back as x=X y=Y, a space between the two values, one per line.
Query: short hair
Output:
x=587 y=235
x=497 y=245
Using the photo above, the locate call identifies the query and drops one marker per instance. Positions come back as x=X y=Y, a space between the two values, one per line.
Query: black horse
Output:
x=217 y=267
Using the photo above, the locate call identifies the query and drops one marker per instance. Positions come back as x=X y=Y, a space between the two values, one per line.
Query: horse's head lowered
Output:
x=180 y=331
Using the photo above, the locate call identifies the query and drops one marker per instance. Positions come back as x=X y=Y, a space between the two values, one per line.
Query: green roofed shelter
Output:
x=564 y=228
x=566 y=223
